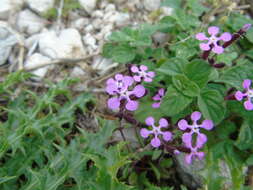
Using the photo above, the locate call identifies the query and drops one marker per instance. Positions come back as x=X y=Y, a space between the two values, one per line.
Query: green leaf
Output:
x=185 y=86
x=245 y=137
x=145 y=110
x=235 y=75
x=173 y=66
x=174 y=102
x=119 y=53
x=198 y=71
x=227 y=58
x=172 y=3
x=211 y=104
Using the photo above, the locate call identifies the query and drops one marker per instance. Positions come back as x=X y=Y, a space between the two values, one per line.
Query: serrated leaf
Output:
x=198 y=71
x=173 y=66
x=185 y=86
x=174 y=102
x=235 y=75
x=211 y=104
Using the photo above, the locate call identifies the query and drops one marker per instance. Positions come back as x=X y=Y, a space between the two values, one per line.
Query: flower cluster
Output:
x=248 y=95
x=213 y=42
x=194 y=128
x=126 y=90
x=156 y=131
x=158 y=98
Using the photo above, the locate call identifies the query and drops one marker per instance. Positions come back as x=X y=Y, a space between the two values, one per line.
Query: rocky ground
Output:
x=39 y=35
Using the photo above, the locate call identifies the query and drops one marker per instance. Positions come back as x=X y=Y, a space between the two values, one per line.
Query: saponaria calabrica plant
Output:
x=126 y=90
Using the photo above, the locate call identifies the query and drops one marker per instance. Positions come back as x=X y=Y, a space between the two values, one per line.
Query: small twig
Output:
x=21 y=43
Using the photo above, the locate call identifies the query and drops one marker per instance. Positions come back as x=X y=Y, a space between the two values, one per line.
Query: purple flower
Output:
x=248 y=94
x=156 y=131
x=213 y=40
x=119 y=88
x=195 y=128
x=158 y=97
x=193 y=154
x=141 y=73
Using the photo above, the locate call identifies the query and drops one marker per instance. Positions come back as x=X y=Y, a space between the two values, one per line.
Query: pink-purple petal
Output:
x=155 y=142
x=156 y=105
x=204 y=46
x=183 y=124
x=143 y=68
x=167 y=136
x=201 y=36
x=134 y=69
x=113 y=103
x=147 y=79
x=218 y=49
x=161 y=91
x=239 y=95
x=110 y=81
x=195 y=116
x=207 y=124
x=151 y=74
x=156 y=97
x=248 y=105
x=150 y=121
x=137 y=78
x=145 y=133
x=111 y=89
x=200 y=155
x=118 y=76
x=132 y=105
x=213 y=30
x=127 y=80
x=201 y=140
x=246 y=83
x=187 y=139
x=188 y=158
x=139 y=91
x=163 y=122
x=226 y=36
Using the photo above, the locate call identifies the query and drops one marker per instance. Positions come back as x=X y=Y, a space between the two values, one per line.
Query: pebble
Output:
x=151 y=5
x=7 y=40
x=77 y=72
x=68 y=44
x=90 y=41
x=33 y=61
x=8 y=7
x=29 y=22
x=122 y=19
x=88 y=5
x=40 y=6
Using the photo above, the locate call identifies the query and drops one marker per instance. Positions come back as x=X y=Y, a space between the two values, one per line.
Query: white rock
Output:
x=97 y=23
x=31 y=40
x=98 y=14
x=7 y=7
x=29 y=22
x=80 y=23
x=35 y=60
x=110 y=17
x=90 y=41
x=122 y=19
x=151 y=5
x=67 y=44
x=7 y=40
x=89 y=28
x=166 y=11
x=40 y=6
x=77 y=72
x=88 y=5
x=110 y=8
